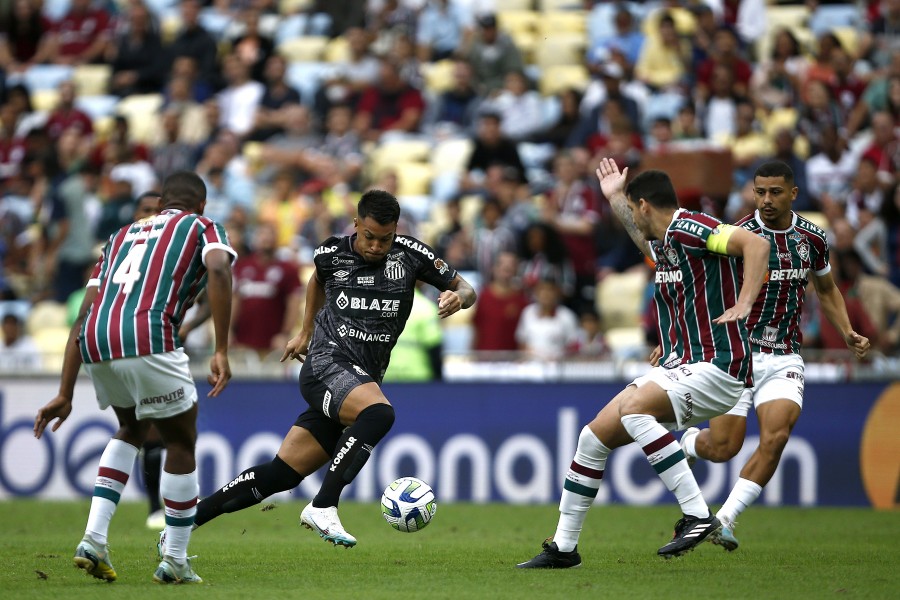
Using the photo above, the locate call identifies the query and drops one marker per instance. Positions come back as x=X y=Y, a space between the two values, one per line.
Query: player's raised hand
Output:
x=219 y=373
x=611 y=180
x=858 y=343
x=59 y=408
x=297 y=347
x=449 y=302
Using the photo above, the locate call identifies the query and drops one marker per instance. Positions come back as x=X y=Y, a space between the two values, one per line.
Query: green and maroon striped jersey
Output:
x=148 y=275
x=693 y=286
x=774 y=324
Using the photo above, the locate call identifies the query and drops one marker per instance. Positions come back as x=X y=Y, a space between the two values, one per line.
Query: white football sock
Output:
x=744 y=493
x=116 y=464
x=580 y=488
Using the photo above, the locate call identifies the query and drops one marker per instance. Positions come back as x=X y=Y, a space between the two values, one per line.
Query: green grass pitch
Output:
x=468 y=551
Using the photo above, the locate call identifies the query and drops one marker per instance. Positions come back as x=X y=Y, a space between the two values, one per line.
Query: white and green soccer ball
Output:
x=408 y=504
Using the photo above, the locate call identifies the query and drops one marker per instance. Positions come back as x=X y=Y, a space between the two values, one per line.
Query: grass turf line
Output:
x=468 y=551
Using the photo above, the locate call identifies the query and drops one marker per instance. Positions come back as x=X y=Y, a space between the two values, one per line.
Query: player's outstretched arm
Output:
x=218 y=289
x=315 y=300
x=835 y=310
x=60 y=407
x=755 y=252
x=612 y=183
x=460 y=295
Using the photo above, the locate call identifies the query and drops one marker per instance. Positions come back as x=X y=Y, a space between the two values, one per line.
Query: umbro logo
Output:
x=342 y=274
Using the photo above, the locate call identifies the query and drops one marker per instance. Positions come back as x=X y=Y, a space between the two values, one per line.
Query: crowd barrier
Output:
x=473 y=442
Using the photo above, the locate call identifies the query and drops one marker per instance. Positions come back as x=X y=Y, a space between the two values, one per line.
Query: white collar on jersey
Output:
x=758 y=218
x=675 y=216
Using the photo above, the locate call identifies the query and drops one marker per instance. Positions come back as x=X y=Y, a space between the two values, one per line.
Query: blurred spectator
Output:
x=285 y=209
x=661 y=138
x=342 y=146
x=230 y=190
x=118 y=207
x=278 y=97
x=490 y=238
x=389 y=105
x=589 y=339
x=65 y=115
x=16 y=214
x=865 y=197
x=547 y=330
x=500 y=304
x=417 y=355
x=82 y=36
x=520 y=108
x=747 y=17
x=616 y=136
x=12 y=147
x=195 y=42
x=776 y=81
x=596 y=120
x=129 y=166
x=120 y=134
x=882 y=44
x=440 y=30
x=821 y=68
x=138 y=61
x=570 y=207
x=455 y=109
x=819 y=111
x=686 y=125
x=559 y=131
x=403 y=53
x=251 y=47
x=627 y=38
x=890 y=218
x=389 y=20
x=882 y=94
x=491 y=148
x=884 y=150
x=829 y=171
x=784 y=151
x=351 y=77
x=18 y=351
x=342 y=15
x=24 y=35
x=194 y=125
x=267 y=295
x=719 y=110
x=748 y=144
x=173 y=154
x=492 y=54
x=198 y=88
x=846 y=86
x=664 y=58
x=78 y=249
x=544 y=257
x=240 y=98
x=725 y=53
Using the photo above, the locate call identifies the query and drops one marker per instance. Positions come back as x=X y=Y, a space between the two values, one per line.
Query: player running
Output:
x=797 y=247
x=126 y=335
x=357 y=304
x=701 y=306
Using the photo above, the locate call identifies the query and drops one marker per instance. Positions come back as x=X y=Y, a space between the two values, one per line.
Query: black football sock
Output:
x=249 y=488
x=151 y=465
x=353 y=450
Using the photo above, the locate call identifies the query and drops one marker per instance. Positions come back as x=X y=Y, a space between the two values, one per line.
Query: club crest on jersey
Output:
x=441 y=266
x=394 y=270
x=342 y=301
x=671 y=256
x=803 y=251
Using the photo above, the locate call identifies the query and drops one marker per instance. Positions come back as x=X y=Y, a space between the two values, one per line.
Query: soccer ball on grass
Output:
x=408 y=504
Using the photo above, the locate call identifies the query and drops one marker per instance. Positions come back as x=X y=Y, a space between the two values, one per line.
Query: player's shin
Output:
x=250 y=487
x=179 y=494
x=580 y=488
x=667 y=459
x=745 y=492
x=116 y=464
x=151 y=464
x=353 y=450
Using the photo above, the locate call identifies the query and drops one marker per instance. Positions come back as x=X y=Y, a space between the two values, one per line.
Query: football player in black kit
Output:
x=357 y=303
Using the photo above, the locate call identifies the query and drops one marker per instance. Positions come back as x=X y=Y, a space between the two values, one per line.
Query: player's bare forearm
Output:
x=612 y=184
x=72 y=357
x=755 y=252
x=218 y=290
x=466 y=292
x=835 y=310
x=315 y=300
x=623 y=213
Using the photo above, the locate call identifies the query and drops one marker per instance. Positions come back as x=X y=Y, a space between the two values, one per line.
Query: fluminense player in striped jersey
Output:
x=799 y=253
x=127 y=337
x=702 y=305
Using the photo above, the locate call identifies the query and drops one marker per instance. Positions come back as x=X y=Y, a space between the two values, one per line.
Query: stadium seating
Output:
x=413 y=178
x=560 y=49
x=310 y=48
x=307 y=77
x=91 y=80
x=51 y=341
x=290 y=7
x=503 y=5
x=438 y=76
x=97 y=107
x=46 y=314
x=44 y=100
x=141 y=110
x=626 y=342
x=42 y=77
x=556 y=78
x=620 y=298
x=555 y=22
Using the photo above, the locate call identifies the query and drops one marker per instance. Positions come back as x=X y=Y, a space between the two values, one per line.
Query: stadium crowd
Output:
x=485 y=118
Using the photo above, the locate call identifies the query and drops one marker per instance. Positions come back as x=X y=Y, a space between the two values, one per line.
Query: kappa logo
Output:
x=342 y=274
x=342 y=301
x=326 y=402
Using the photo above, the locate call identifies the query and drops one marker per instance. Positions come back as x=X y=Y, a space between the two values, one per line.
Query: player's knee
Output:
x=725 y=450
x=773 y=442
x=277 y=476
x=378 y=417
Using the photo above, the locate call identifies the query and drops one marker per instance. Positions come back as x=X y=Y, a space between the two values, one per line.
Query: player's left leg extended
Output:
x=776 y=421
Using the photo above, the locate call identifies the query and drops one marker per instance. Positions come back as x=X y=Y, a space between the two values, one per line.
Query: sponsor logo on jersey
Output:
x=394 y=270
x=326 y=401
x=366 y=280
x=785 y=274
x=763 y=343
x=342 y=274
x=324 y=250
x=172 y=396
x=363 y=336
x=441 y=266
x=341 y=261
x=770 y=334
x=359 y=370
x=669 y=277
x=414 y=245
x=394 y=255
x=689 y=406
x=690 y=226
x=342 y=452
x=673 y=360
x=785 y=255
x=365 y=304
x=342 y=301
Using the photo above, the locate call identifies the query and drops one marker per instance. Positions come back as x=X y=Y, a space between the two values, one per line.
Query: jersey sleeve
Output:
x=214 y=237
x=432 y=269
x=322 y=258
x=693 y=231
x=822 y=265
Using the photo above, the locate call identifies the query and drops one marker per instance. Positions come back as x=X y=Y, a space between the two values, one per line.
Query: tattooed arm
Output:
x=612 y=182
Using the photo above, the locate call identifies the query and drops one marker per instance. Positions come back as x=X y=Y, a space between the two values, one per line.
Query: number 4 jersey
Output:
x=148 y=275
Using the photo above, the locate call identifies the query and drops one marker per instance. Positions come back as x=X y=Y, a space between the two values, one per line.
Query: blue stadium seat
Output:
x=42 y=77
